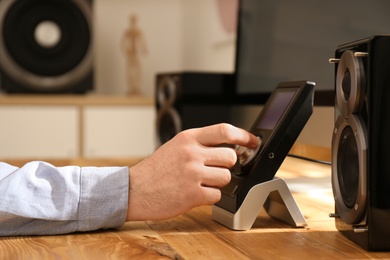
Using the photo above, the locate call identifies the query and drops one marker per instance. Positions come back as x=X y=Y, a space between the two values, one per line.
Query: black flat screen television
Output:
x=283 y=40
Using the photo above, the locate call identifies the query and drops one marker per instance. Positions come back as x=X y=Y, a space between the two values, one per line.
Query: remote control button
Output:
x=245 y=155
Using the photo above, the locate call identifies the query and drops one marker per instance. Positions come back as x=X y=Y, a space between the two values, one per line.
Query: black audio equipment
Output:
x=194 y=99
x=190 y=99
x=277 y=127
x=361 y=142
x=46 y=46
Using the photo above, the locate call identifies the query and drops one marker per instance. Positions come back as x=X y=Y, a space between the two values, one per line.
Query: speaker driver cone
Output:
x=350 y=87
x=349 y=169
x=168 y=122
x=46 y=44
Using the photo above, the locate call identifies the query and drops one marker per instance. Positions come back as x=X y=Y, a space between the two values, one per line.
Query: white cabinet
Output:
x=76 y=127
x=118 y=131
x=38 y=131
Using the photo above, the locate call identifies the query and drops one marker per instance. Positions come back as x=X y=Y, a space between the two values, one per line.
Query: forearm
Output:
x=42 y=199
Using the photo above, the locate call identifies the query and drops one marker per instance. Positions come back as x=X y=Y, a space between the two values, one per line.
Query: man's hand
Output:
x=185 y=172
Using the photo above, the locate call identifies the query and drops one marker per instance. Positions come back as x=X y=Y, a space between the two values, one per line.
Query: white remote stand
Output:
x=274 y=196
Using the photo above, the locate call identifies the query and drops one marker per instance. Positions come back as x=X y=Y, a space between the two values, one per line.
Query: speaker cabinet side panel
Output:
x=379 y=138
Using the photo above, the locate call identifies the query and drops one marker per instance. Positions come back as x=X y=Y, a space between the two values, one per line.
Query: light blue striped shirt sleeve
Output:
x=40 y=199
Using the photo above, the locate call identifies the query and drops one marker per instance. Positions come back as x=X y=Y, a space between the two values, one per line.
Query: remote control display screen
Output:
x=276 y=108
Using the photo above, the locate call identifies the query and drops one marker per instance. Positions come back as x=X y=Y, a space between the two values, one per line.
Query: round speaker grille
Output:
x=349 y=168
x=350 y=84
x=168 y=122
x=46 y=44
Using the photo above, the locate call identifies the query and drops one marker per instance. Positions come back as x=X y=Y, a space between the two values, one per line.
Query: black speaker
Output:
x=46 y=46
x=194 y=99
x=361 y=142
x=191 y=99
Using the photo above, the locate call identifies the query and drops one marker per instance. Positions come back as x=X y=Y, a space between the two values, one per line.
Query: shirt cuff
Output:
x=103 y=197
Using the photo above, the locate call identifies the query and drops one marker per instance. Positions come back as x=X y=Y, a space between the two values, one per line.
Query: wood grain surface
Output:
x=195 y=235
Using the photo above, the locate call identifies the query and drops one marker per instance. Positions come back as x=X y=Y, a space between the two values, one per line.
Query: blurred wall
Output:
x=180 y=35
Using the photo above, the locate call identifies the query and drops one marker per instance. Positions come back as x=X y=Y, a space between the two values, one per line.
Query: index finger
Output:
x=225 y=134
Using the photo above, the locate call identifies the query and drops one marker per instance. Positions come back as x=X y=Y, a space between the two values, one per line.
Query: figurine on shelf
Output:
x=133 y=44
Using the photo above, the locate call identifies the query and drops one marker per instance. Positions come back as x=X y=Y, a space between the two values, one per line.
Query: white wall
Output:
x=207 y=46
x=161 y=23
x=181 y=35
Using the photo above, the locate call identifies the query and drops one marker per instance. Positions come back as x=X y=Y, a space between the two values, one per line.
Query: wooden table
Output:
x=195 y=235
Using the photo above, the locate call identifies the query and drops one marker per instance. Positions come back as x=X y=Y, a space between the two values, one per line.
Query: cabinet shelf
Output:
x=75 y=100
x=76 y=126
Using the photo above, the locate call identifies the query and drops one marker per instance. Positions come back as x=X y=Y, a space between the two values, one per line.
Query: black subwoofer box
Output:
x=46 y=46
